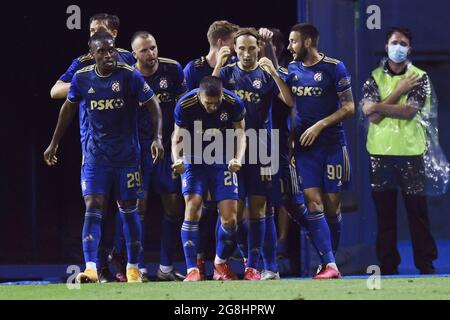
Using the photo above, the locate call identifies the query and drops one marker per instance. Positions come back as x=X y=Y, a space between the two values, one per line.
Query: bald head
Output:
x=145 y=50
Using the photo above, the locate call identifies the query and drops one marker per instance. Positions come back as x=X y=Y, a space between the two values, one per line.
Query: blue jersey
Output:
x=196 y=69
x=189 y=109
x=82 y=62
x=257 y=89
x=111 y=106
x=281 y=120
x=316 y=89
x=168 y=85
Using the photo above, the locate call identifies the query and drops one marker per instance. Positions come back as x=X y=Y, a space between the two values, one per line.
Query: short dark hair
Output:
x=306 y=31
x=247 y=32
x=140 y=34
x=220 y=29
x=100 y=37
x=112 y=21
x=405 y=31
x=212 y=86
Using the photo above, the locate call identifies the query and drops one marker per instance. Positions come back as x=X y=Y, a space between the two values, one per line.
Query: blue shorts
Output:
x=125 y=182
x=254 y=180
x=160 y=177
x=324 y=167
x=286 y=188
x=200 y=178
x=146 y=170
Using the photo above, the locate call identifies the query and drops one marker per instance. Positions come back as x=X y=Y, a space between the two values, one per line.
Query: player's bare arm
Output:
x=66 y=115
x=285 y=94
x=156 y=120
x=236 y=163
x=177 y=146
x=222 y=57
x=347 y=109
x=60 y=90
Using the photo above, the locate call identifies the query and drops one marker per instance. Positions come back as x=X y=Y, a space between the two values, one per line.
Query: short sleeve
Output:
x=343 y=78
x=74 y=94
x=73 y=68
x=180 y=82
x=179 y=115
x=142 y=90
x=188 y=76
x=238 y=113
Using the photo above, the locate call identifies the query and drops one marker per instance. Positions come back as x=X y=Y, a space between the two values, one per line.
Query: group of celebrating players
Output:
x=137 y=111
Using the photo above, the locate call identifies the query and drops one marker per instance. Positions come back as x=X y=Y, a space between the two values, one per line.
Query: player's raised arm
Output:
x=223 y=55
x=152 y=106
x=66 y=115
x=60 y=90
x=285 y=92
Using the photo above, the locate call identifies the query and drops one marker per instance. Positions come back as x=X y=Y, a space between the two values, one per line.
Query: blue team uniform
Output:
x=168 y=85
x=80 y=63
x=325 y=164
x=201 y=177
x=112 y=152
x=286 y=188
x=257 y=89
x=196 y=70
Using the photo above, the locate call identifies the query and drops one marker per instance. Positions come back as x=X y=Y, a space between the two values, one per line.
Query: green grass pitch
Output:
x=391 y=288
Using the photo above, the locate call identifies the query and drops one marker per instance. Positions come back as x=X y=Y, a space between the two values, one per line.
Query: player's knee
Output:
x=142 y=206
x=192 y=212
x=127 y=204
x=315 y=205
x=93 y=203
x=229 y=222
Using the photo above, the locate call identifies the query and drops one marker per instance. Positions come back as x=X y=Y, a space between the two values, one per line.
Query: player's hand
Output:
x=157 y=150
x=223 y=55
x=310 y=135
x=407 y=83
x=50 y=155
x=267 y=65
x=178 y=166
x=265 y=34
x=234 y=165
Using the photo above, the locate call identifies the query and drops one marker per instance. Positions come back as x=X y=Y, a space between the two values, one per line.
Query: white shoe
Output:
x=270 y=275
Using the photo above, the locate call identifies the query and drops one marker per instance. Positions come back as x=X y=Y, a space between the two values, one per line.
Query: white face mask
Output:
x=397 y=53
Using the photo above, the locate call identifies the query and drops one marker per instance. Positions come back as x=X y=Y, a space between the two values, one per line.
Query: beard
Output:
x=300 y=56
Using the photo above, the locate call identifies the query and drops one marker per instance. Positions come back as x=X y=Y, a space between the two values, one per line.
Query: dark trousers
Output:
x=424 y=246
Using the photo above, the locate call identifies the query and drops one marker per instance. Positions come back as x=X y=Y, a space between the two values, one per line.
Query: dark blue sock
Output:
x=335 y=224
x=242 y=238
x=270 y=244
x=209 y=210
x=91 y=234
x=190 y=238
x=132 y=233
x=169 y=233
x=256 y=234
x=320 y=232
x=119 y=240
x=226 y=242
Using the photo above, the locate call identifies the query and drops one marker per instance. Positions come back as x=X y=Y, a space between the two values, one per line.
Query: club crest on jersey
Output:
x=224 y=116
x=318 y=76
x=257 y=83
x=163 y=84
x=115 y=86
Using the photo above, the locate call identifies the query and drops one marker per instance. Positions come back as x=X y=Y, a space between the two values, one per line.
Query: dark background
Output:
x=41 y=207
